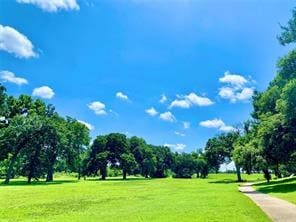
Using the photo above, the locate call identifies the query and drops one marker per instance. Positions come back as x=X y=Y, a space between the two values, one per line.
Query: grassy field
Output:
x=137 y=199
x=285 y=189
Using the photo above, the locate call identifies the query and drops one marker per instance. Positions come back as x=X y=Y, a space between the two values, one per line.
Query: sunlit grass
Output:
x=137 y=199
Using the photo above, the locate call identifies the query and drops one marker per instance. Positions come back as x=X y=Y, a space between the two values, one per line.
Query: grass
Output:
x=137 y=199
x=284 y=189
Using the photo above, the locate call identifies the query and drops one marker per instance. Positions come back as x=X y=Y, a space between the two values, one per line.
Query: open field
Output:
x=284 y=189
x=137 y=199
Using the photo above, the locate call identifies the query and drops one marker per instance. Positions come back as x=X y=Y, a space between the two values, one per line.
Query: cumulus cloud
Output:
x=163 y=98
x=151 y=111
x=7 y=76
x=88 y=125
x=44 y=92
x=98 y=107
x=121 y=95
x=233 y=79
x=53 y=5
x=167 y=116
x=186 y=125
x=216 y=123
x=16 y=43
x=190 y=100
x=179 y=147
x=237 y=88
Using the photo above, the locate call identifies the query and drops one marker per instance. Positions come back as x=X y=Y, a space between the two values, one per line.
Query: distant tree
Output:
x=127 y=163
x=164 y=160
x=184 y=165
x=97 y=158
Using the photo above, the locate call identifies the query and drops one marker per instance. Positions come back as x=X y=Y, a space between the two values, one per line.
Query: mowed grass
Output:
x=137 y=199
x=284 y=189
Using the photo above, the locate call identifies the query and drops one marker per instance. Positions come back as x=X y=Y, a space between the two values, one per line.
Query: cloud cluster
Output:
x=167 y=116
x=44 y=92
x=151 y=111
x=16 y=43
x=190 y=100
x=7 y=76
x=98 y=107
x=216 y=123
x=236 y=88
x=53 y=5
x=121 y=95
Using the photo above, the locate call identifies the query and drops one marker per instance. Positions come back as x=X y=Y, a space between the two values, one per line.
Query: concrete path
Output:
x=277 y=209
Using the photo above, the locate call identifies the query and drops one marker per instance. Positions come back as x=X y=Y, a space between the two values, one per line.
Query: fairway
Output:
x=137 y=199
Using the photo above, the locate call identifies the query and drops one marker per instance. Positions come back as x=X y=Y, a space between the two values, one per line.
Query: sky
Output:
x=175 y=72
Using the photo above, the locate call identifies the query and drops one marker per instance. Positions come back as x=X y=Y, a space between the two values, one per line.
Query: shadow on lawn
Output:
x=280 y=186
x=36 y=183
x=119 y=179
x=224 y=181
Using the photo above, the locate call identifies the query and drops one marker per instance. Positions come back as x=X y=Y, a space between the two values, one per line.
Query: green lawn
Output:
x=285 y=189
x=137 y=199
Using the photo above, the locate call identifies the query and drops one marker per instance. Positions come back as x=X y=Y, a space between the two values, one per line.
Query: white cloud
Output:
x=167 y=116
x=233 y=79
x=16 y=43
x=191 y=100
x=179 y=134
x=88 y=125
x=186 y=125
x=44 y=92
x=180 y=103
x=52 y=5
x=151 y=111
x=98 y=107
x=235 y=95
x=199 y=100
x=179 y=147
x=245 y=94
x=236 y=89
x=216 y=123
x=7 y=76
x=121 y=95
x=163 y=98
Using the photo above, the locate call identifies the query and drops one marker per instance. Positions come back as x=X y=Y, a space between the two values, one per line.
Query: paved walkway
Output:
x=277 y=209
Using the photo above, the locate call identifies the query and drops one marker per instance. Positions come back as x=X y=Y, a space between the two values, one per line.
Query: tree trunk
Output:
x=238 y=173
x=10 y=169
x=103 y=171
x=124 y=174
x=49 y=176
x=267 y=175
x=79 y=173
x=197 y=175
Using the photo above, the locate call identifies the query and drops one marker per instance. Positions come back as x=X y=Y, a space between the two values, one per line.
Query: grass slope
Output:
x=137 y=199
x=285 y=189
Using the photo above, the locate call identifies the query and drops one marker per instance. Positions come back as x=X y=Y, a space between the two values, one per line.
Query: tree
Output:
x=77 y=140
x=164 y=160
x=97 y=158
x=184 y=165
x=289 y=31
x=127 y=163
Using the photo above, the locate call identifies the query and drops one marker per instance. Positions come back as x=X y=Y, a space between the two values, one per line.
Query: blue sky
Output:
x=109 y=62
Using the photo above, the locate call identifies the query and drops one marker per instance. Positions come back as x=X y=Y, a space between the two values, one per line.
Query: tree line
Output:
x=35 y=142
x=267 y=142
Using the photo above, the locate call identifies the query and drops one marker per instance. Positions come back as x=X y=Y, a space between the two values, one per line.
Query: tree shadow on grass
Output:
x=279 y=188
x=275 y=182
x=224 y=181
x=119 y=179
x=36 y=183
